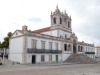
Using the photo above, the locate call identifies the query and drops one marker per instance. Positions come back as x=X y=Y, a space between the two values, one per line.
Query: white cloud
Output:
x=16 y=13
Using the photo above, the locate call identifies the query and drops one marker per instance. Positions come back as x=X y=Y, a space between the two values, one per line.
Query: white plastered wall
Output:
x=46 y=43
x=46 y=59
x=15 y=49
x=63 y=33
x=65 y=56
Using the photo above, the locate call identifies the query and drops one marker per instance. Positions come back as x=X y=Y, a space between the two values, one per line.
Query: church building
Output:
x=48 y=45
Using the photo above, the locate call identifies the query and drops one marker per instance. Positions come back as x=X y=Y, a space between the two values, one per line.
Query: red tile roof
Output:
x=97 y=47
x=42 y=30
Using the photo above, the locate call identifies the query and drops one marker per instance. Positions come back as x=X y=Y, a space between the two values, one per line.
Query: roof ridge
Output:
x=42 y=30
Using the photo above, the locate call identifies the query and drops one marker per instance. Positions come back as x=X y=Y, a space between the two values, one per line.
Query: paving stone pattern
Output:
x=75 y=69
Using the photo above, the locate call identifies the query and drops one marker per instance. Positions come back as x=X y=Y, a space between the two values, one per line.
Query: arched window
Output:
x=68 y=24
x=65 y=47
x=74 y=42
x=54 y=20
x=61 y=36
x=81 y=48
x=60 y=20
x=65 y=36
x=69 y=47
x=78 y=48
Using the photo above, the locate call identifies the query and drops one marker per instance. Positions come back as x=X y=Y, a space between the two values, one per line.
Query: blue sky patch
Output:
x=35 y=19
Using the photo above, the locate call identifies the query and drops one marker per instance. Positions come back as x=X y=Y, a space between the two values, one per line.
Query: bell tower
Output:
x=56 y=17
x=60 y=20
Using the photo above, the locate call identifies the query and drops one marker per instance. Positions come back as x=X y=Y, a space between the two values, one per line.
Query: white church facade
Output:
x=48 y=45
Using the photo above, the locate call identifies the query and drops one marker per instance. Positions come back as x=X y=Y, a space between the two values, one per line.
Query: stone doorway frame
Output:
x=33 y=59
x=74 y=47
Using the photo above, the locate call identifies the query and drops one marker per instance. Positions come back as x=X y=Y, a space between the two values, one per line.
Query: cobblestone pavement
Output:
x=57 y=69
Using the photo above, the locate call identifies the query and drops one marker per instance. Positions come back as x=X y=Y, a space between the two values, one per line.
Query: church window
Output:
x=81 y=48
x=65 y=36
x=65 y=47
x=78 y=48
x=74 y=42
x=54 y=20
x=60 y=20
x=68 y=24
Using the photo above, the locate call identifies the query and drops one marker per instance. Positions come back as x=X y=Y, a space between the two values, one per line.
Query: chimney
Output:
x=24 y=28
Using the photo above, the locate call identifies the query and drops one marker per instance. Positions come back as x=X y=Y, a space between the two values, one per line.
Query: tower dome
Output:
x=57 y=9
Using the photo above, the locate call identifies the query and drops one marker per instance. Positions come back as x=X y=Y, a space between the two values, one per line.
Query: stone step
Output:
x=5 y=61
x=80 y=59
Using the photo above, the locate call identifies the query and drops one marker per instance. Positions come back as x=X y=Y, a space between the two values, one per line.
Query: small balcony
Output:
x=29 y=50
x=89 y=52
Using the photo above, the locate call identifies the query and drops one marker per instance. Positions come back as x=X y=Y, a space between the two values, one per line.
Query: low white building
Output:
x=89 y=50
x=47 y=45
x=97 y=51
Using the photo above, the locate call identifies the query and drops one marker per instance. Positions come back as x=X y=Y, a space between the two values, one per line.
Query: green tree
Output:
x=0 y=44
x=5 y=43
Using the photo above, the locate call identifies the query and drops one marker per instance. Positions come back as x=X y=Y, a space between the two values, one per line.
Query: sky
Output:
x=36 y=14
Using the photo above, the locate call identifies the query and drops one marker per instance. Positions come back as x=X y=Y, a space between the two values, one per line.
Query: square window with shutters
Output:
x=42 y=58
x=34 y=43
x=57 y=46
x=43 y=45
x=50 y=57
x=50 y=45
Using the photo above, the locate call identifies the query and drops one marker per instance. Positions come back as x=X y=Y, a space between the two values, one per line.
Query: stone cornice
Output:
x=44 y=36
x=61 y=28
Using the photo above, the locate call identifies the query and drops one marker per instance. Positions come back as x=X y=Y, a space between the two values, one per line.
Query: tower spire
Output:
x=57 y=6
x=57 y=9
x=65 y=11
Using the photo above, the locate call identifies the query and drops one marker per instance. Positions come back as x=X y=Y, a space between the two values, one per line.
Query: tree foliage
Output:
x=5 y=43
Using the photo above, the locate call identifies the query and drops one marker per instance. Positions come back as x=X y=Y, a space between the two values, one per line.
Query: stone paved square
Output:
x=51 y=69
